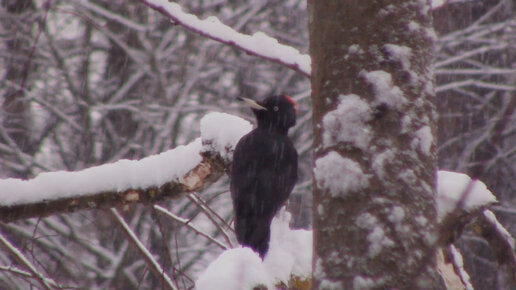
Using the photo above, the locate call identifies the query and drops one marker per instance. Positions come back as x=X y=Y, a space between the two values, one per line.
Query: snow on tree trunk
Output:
x=375 y=161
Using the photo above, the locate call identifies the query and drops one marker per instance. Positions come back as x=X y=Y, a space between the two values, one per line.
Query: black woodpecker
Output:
x=264 y=171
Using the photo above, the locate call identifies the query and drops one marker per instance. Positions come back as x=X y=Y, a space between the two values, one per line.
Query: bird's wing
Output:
x=264 y=173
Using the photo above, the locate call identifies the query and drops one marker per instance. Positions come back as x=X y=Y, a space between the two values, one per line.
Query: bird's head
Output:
x=276 y=113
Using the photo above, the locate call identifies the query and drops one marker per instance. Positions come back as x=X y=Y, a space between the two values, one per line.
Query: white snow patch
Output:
x=422 y=221
x=378 y=241
x=124 y=174
x=363 y=283
x=376 y=236
x=366 y=221
x=408 y=176
x=319 y=268
x=330 y=285
x=424 y=6
x=381 y=160
x=397 y=214
x=320 y=210
x=220 y=132
x=384 y=90
x=339 y=175
x=413 y=26
x=290 y=253
x=386 y=11
x=430 y=34
x=399 y=53
x=437 y=3
x=355 y=48
x=406 y=123
x=424 y=139
x=235 y=269
x=451 y=187
x=347 y=123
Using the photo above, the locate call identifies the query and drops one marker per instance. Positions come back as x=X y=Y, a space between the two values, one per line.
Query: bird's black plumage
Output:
x=264 y=171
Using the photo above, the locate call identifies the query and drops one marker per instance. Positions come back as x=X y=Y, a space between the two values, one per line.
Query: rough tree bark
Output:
x=375 y=161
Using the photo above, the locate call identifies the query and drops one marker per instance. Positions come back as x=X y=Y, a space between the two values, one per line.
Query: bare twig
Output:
x=26 y=274
x=45 y=282
x=205 y=204
x=211 y=217
x=175 y=269
x=154 y=266
x=191 y=226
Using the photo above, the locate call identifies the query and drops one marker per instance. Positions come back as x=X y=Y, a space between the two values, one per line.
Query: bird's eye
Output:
x=276 y=108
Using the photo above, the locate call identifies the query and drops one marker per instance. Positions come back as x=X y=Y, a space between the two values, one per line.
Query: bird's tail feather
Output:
x=254 y=232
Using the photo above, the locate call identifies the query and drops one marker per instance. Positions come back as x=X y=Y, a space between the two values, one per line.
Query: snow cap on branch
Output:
x=122 y=175
x=452 y=187
x=220 y=132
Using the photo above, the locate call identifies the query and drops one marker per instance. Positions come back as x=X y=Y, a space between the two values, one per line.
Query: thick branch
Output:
x=205 y=173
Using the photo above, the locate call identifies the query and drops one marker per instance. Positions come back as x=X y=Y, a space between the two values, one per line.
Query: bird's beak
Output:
x=252 y=103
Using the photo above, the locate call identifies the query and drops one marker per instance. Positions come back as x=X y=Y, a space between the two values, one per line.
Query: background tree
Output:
x=374 y=205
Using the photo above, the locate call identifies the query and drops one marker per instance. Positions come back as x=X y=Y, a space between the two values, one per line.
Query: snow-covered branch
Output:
x=181 y=170
x=258 y=44
x=459 y=200
x=451 y=267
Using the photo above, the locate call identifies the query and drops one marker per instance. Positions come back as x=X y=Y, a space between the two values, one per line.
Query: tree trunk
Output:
x=375 y=161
